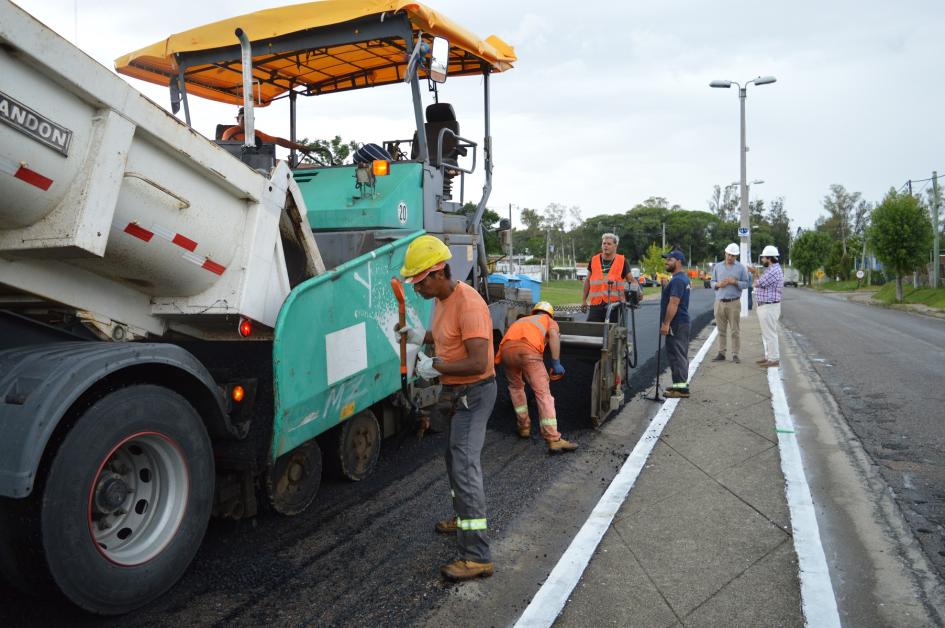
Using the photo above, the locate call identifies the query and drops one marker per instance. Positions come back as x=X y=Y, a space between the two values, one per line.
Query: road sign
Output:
x=743 y=232
x=860 y=274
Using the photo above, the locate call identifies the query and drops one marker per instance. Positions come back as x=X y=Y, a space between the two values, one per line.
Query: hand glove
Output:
x=414 y=336
x=556 y=367
x=425 y=367
x=584 y=307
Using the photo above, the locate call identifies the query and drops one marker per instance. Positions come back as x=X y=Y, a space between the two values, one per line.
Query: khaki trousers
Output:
x=768 y=315
x=727 y=318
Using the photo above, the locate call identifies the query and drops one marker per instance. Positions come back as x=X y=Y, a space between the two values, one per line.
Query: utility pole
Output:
x=936 y=254
x=664 y=236
x=547 y=255
x=511 y=249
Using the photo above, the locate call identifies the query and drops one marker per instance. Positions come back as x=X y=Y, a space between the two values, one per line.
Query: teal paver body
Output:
x=334 y=352
x=334 y=203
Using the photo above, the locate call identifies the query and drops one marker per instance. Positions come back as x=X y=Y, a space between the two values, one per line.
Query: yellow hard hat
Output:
x=422 y=255
x=544 y=306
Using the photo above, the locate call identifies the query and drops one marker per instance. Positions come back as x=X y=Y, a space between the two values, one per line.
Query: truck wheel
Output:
x=127 y=499
x=354 y=447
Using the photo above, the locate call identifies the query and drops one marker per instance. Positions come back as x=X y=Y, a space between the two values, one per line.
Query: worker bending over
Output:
x=461 y=330
x=521 y=352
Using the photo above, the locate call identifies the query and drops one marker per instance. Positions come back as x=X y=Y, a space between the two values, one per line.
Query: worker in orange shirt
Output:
x=461 y=331
x=237 y=133
x=521 y=352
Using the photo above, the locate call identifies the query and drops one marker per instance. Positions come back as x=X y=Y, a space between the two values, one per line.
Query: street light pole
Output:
x=743 y=181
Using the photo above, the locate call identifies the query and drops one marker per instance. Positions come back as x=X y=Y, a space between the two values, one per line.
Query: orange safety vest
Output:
x=599 y=283
x=532 y=329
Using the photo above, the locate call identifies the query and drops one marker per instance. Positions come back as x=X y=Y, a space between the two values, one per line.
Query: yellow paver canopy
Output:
x=315 y=48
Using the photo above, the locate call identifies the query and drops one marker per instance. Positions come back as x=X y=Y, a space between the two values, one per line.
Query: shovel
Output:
x=414 y=418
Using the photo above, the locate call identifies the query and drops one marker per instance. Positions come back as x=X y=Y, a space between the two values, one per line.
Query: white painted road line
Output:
x=817 y=597
x=554 y=593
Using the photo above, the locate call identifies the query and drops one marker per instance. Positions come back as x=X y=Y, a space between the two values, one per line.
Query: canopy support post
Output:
x=246 y=54
x=293 y=160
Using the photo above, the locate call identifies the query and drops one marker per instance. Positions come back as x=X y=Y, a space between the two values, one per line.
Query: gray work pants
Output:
x=467 y=433
x=677 y=349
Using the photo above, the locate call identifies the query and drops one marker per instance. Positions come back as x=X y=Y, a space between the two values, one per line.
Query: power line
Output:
x=906 y=184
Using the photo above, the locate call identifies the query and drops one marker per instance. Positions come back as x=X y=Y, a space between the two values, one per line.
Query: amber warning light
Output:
x=381 y=168
x=246 y=327
x=238 y=393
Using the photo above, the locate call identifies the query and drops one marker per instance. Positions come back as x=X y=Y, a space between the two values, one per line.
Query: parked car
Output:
x=792 y=276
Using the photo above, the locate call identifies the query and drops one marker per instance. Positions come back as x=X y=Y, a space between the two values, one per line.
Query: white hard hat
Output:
x=770 y=251
x=732 y=249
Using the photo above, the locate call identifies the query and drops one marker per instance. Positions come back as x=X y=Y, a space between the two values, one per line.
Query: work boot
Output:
x=524 y=432
x=761 y=361
x=466 y=570
x=561 y=446
x=736 y=360
x=767 y=364
x=681 y=393
x=720 y=357
x=447 y=526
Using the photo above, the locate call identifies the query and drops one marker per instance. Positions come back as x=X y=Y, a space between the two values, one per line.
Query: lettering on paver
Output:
x=345 y=394
x=26 y=121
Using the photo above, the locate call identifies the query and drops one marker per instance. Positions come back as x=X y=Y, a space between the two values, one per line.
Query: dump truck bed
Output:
x=111 y=206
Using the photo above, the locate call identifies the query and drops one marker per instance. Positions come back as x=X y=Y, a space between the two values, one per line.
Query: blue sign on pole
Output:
x=743 y=232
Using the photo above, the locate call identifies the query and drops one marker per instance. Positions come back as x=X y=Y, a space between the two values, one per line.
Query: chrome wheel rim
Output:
x=138 y=499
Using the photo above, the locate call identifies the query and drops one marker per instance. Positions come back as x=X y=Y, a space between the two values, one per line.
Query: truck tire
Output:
x=127 y=499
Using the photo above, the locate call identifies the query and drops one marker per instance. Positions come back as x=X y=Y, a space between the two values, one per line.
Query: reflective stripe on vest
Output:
x=599 y=285
x=471 y=524
x=531 y=329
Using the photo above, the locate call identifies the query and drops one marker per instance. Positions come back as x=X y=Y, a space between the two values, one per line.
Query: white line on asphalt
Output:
x=553 y=594
x=817 y=598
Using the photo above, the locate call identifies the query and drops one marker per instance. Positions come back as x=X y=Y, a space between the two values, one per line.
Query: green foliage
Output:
x=850 y=285
x=932 y=297
x=490 y=225
x=900 y=235
x=847 y=216
x=810 y=252
x=531 y=219
x=333 y=152
x=780 y=226
x=652 y=262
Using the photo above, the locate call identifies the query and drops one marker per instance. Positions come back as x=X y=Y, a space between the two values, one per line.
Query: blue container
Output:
x=524 y=281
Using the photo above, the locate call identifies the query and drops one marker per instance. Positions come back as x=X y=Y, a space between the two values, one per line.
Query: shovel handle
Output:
x=398 y=289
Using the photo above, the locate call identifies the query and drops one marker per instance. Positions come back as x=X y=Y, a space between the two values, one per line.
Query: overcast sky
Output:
x=609 y=102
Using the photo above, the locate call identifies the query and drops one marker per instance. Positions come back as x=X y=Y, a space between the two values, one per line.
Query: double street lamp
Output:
x=745 y=228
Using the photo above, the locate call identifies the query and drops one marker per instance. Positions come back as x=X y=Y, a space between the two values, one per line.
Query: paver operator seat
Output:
x=441 y=116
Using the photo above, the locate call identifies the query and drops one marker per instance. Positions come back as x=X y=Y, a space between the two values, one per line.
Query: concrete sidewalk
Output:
x=704 y=538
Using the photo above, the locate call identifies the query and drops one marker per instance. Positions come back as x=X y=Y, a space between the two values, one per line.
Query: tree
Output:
x=553 y=217
x=531 y=219
x=652 y=262
x=490 y=225
x=780 y=226
x=332 y=152
x=900 y=235
x=842 y=210
x=810 y=252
